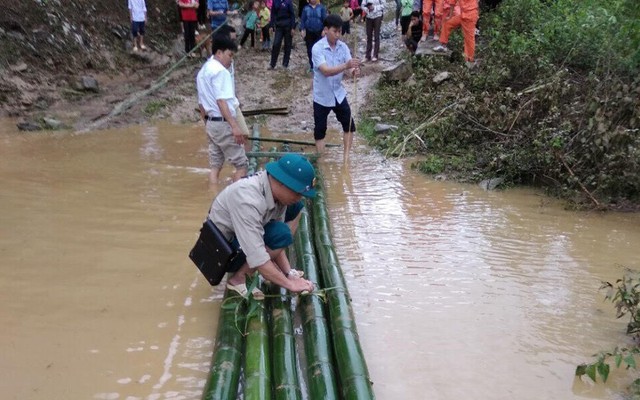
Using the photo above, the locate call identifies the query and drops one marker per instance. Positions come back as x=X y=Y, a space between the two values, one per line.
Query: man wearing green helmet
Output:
x=259 y=214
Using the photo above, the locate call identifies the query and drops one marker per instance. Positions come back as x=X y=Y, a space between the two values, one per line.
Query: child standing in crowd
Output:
x=189 y=16
x=250 y=25
x=138 y=16
x=347 y=15
x=265 y=16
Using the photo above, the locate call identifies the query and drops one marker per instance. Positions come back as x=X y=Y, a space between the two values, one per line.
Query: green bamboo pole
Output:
x=283 y=349
x=253 y=161
x=353 y=375
x=257 y=365
x=222 y=383
x=320 y=374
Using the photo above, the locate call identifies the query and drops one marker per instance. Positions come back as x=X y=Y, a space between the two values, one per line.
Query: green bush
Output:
x=625 y=295
x=555 y=101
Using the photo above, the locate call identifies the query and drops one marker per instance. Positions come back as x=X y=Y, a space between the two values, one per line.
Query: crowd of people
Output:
x=258 y=215
x=262 y=18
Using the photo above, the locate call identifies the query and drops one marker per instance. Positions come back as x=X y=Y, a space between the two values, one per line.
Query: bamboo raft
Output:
x=260 y=358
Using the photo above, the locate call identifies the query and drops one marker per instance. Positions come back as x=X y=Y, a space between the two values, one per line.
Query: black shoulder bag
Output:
x=212 y=253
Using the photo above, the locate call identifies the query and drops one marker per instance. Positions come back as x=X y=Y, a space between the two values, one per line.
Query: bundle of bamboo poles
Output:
x=325 y=363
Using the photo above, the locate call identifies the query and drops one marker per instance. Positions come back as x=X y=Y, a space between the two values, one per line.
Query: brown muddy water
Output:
x=458 y=292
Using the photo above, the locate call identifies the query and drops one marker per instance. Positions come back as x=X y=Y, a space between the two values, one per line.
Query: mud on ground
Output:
x=256 y=85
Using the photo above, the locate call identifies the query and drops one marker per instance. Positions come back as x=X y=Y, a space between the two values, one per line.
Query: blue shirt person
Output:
x=311 y=25
x=331 y=58
x=218 y=10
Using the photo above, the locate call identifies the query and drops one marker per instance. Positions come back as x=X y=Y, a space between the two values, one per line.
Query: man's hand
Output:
x=355 y=72
x=353 y=63
x=300 y=285
x=238 y=135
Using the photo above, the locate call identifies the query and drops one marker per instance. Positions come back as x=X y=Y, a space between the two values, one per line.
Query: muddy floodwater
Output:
x=458 y=292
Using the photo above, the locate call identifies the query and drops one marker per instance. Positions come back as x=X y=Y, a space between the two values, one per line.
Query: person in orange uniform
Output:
x=437 y=19
x=469 y=13
x=427 y=7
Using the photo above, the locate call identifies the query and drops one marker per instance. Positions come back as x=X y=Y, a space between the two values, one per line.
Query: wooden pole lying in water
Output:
x=353 y=375
x=270 y=110
x=289 y=141
x=278 y=154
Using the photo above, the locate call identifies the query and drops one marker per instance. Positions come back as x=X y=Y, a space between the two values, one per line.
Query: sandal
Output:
x=241 y=289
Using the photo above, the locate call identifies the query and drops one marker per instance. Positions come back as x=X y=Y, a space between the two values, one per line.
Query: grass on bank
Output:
x=553 y=102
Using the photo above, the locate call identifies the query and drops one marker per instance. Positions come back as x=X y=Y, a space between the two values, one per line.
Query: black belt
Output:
x=208 y=118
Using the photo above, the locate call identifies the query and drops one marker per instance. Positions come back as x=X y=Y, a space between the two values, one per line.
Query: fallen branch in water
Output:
x=584 y=189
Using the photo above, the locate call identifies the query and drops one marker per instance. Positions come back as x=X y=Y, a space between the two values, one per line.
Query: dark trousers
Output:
x=248 y=32
x=202 y=12
x=189 y=35
x=280 y=33
x=373 y=33
x=346 y=27
x=310 y=38
x=266 y=38
x=343 y=115
x=405 y=20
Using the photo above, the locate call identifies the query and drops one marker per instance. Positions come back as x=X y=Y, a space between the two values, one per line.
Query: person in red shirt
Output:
x=467 y=18
x=189 y=15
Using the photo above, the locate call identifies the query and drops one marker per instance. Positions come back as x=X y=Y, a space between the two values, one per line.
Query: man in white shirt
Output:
x=218 y=104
